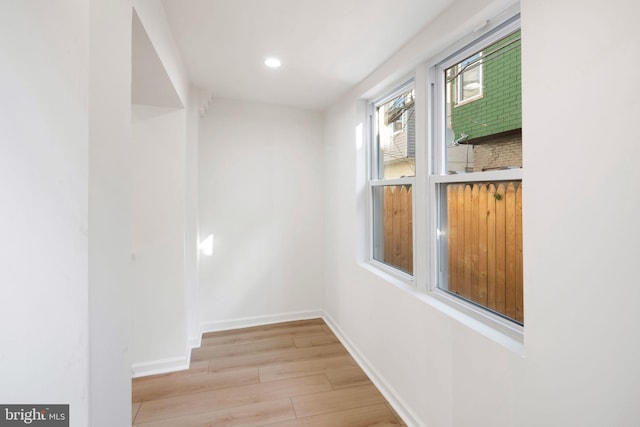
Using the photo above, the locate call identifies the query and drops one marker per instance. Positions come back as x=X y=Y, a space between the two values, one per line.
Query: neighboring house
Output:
x=400 y=139
x=484 y=108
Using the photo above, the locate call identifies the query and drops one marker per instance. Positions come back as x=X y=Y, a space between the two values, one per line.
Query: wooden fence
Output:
x=398 y=227
x=484 y=254
x=485 y=245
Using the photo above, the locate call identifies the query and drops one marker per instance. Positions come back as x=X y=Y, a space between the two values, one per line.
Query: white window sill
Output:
x=388 y=273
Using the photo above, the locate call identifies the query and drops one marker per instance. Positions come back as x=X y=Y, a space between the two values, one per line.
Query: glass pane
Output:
x=393 y=226
x=484 y=109
x=480 y=230
x=469 y=78
x=396 y=137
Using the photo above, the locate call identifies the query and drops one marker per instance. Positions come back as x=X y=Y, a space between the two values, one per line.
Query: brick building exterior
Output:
x=493 y=122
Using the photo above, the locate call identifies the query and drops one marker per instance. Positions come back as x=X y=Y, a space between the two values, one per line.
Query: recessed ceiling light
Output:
x=272 y=62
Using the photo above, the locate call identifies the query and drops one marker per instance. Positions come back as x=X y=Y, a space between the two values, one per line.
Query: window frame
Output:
x=437 y=174
x=423 y=283
x=460 y=100
x=374 y=181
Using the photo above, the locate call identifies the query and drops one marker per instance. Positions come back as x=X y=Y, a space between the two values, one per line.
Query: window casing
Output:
x=392 y=179
x=475 y=197
x=452 y=165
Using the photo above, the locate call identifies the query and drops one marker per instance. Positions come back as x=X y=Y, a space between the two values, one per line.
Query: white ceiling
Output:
x=326 y=46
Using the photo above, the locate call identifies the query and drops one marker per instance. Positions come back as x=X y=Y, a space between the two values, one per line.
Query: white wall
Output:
x=158 y=207
x=43 y=193
x=164 y=207
x=191 y=221
x=581 y=220
x=580 y=352
x=109 y=210
x=64 y=131
x=260 y=195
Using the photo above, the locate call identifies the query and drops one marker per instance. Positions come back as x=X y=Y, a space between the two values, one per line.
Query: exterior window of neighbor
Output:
x=467 y=75
x=477 y=183
x=392 y=178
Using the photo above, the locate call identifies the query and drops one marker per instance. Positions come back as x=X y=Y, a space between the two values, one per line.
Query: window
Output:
x=391 y=180
x=467 y=76
x=468 y=198
x=476 y=182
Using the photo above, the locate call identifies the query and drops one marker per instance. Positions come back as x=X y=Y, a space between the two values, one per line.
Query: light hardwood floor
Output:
x=283 y=375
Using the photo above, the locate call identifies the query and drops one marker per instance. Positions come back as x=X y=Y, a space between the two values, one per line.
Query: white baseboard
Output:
x=194 y=342
x=387 y=391
x=246 y=322
x=163 y=366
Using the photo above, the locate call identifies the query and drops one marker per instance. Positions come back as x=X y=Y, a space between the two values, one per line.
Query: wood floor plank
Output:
x=347 y=377
x=134 y=410
x=230 y=397
x=159 y=387
x=245 y=348
x=274 y=357
x=171 y=422
x=253 y=415
x=312 y=340
x=300 y=368
x=195 y=368
x=374 y=415
x=335 y=400
x=265 y=328
x=395 y=414
x=252 y=335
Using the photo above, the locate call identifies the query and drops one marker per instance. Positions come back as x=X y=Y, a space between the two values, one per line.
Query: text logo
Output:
x=34 y=415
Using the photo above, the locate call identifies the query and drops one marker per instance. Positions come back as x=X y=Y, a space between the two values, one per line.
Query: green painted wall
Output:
x=500 y=108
